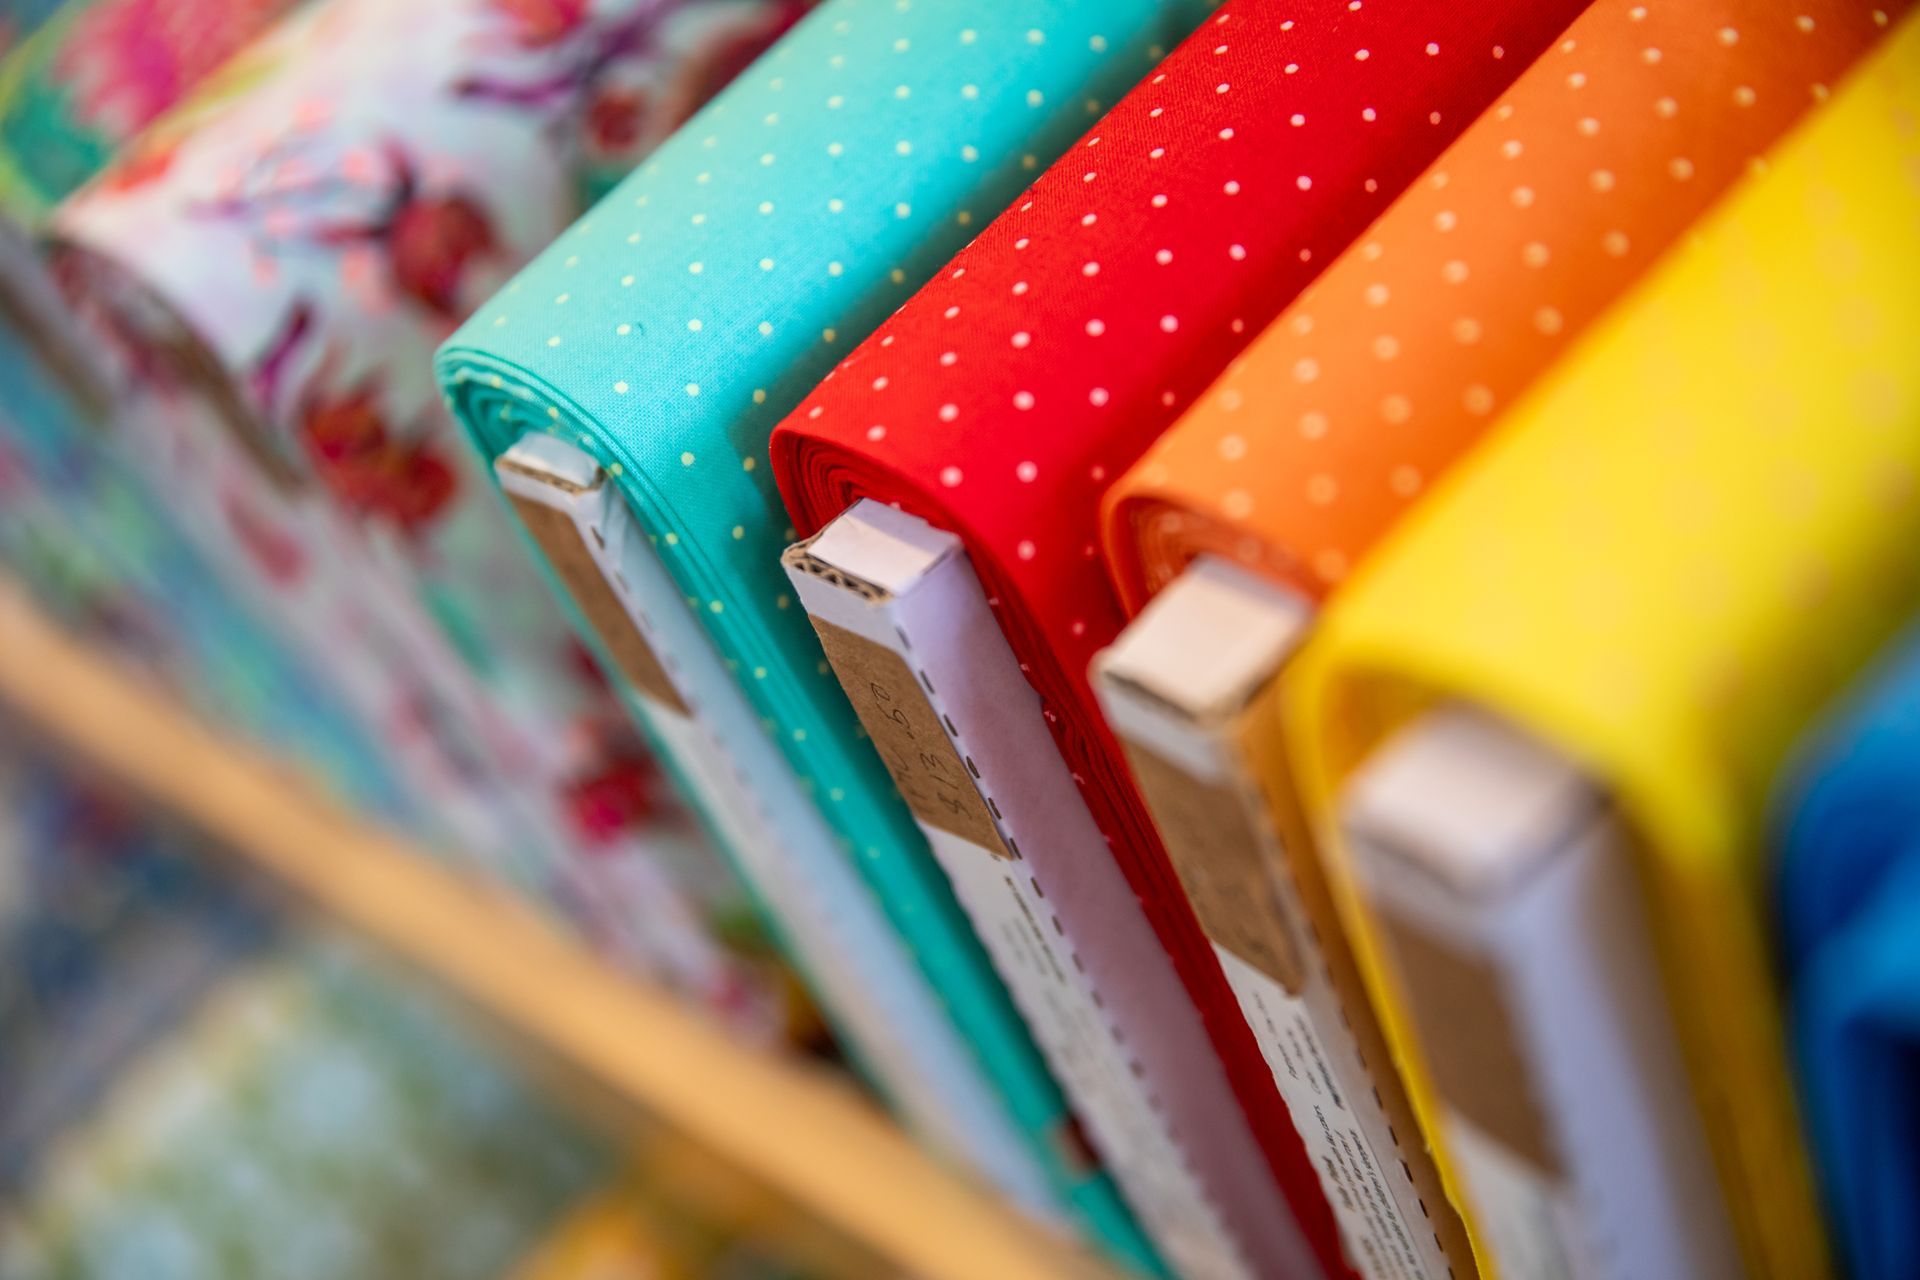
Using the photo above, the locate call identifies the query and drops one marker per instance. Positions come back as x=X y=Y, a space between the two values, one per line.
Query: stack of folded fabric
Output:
x=1235 y=582
x=622 y=384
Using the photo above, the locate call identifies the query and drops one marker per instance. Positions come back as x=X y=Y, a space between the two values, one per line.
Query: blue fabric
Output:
x=1848 y=890
x=668 y=331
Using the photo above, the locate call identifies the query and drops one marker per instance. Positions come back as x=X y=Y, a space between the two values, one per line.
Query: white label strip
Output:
x=1176 y=688
x=1506 y=893
x=1359 y=1170
x=871 y=986
x=907 y=626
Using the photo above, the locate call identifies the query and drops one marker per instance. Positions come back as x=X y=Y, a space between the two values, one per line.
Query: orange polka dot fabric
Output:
x=1395 y=361
x=1005 y=396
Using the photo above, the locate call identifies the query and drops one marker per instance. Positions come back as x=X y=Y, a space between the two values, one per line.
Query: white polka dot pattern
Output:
x=788 y=219
x=999 y=401
x=1669 y=555
x=1390 y=365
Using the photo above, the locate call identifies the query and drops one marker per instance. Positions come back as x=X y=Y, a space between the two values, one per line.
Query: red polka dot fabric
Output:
x=1000 y=401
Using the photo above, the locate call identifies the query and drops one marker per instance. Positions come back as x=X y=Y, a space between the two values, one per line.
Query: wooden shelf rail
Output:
x=805 y=1132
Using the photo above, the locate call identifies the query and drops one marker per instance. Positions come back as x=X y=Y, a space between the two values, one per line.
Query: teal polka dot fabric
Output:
x=671 y=328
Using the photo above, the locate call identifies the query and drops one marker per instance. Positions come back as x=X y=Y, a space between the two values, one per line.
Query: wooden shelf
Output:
x=806 y=1133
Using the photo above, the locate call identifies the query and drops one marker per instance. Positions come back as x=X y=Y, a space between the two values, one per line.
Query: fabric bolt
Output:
x=378 y=170
x=670 y=330
x=1662 y=562
x=1846 y=888
x=90 y=74
x=273 y=263
x=85 y=526
x=82 y=523
x=85 y=77
x=78 y=526
x=1393 y=363
x=998 y=402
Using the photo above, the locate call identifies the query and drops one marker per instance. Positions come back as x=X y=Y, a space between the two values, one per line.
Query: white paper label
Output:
x=1017 y=927
x=1379 y=1239
x=1504 y=886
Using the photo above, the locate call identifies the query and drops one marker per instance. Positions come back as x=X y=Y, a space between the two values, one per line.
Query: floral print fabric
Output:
x=79 y=528
x=271 y=265
x=95 y=72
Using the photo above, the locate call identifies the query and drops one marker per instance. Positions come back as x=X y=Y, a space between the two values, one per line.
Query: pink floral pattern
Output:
x=276 y=262
x=126 y=61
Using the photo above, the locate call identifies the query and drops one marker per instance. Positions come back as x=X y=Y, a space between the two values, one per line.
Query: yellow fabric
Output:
x=1662 y=562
